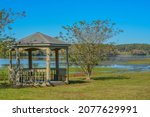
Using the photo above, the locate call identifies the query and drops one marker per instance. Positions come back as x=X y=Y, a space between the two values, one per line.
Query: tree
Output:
x=87 y=40
x=7 y=17
x=4 y=46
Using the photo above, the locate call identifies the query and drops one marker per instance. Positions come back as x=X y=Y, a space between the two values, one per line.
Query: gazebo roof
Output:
x=40 y=39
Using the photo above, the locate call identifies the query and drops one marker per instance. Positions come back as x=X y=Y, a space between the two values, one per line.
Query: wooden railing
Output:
x=39 y=75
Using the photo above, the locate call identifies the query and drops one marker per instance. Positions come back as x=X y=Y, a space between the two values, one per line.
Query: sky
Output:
x=48 y=16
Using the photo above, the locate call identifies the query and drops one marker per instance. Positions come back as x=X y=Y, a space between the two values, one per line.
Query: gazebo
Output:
x=39 y=76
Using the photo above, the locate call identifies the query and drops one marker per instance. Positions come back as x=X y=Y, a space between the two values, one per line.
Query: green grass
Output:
x=3 y=74
x=104 y=85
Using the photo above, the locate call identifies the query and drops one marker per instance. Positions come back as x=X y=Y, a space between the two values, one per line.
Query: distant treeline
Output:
x=122 y=49
x=133 y=49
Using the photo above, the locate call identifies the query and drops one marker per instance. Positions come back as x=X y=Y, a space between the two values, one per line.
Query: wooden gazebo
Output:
x=39 y=76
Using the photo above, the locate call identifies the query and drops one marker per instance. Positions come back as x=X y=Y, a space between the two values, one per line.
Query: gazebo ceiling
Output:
x=40 y=39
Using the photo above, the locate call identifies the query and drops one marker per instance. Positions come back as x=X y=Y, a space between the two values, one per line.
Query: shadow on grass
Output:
x=5 y=85
x=80 y=81
x=110 y=78
x=77 y=81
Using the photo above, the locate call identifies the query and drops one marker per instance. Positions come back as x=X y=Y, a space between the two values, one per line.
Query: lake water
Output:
x=40 y=63
x=114 y=63
x=129 y=67
x=111 y=63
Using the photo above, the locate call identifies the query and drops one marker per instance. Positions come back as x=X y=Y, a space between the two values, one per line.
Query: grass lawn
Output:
x=107 y=85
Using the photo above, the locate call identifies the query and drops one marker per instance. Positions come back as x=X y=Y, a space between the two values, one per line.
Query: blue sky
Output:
x=48 y=16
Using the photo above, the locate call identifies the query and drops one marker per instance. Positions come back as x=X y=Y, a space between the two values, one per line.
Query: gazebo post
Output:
x=17 y=57
x=17 y=74
x=48 y=64
x=30 y=59
x=10 y=58
x=67 y=71
x=57 y=64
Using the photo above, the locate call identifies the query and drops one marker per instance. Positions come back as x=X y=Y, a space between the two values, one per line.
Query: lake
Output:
x=111 y=63
x=118 y=62
x=37 y=63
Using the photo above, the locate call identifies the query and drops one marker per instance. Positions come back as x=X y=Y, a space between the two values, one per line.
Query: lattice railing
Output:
x=39 y=75
x=24 y=75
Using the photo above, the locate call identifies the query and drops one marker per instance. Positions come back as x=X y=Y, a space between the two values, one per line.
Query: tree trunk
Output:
x=88 y=76
x=89 y=71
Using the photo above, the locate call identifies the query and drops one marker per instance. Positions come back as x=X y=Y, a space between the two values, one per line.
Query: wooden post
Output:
x=67 y=70
x=57 y=64
x=17 y=57
x=17 y=71
x=48 y=64
x=30 y=59
x=10 y=58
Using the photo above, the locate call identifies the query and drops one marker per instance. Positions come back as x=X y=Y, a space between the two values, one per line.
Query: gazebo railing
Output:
x=39 y=75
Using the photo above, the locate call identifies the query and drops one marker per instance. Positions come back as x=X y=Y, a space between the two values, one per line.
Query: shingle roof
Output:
x=39 y=38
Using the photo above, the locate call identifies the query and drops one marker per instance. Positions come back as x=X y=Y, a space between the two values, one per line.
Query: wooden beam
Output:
x=10 y=58
x=17 y=57
x=30 y=59
x=48 y=64
x=57 y=64
x=67 y=69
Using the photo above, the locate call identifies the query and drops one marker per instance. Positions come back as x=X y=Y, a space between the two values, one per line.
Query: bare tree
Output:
x=87 y=40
